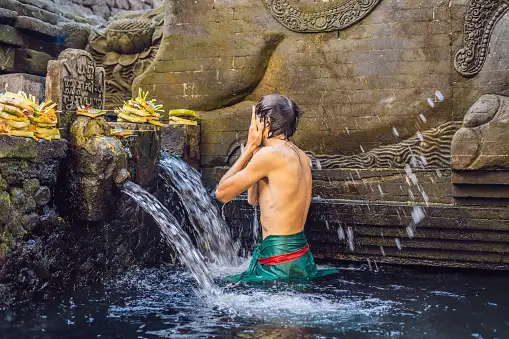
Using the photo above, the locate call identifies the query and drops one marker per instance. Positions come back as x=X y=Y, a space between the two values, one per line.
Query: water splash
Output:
x=211 y=230
x=172 y=234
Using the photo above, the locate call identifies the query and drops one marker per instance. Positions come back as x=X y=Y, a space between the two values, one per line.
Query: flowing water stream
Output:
x=210 y=229
x=173 y=234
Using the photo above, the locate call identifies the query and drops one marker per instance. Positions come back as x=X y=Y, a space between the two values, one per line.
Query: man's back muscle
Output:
x=285 y=194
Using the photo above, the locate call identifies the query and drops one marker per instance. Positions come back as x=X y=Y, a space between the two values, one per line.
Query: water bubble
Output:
x=431 y=102
x=439 y=96
x=423 y=118
x=395 y=131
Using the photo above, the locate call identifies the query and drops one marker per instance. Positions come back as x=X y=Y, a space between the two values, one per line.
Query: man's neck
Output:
x=274 y=141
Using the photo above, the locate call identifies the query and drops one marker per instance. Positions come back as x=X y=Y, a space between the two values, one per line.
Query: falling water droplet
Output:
x=423 y=118
x=417 y=214
x=382 y=250
x=398 y=243
x=420 y=136
x=358 y=173
x=341 y=233
x=424 y=161
x=318 y=164
x=350 y=238
x=411 y=194
x=410 y=230
x=439 y=95
x=369 y=264
x=439 y=174
x=347 y=130
x=241 y=148
x=310 y=163
x=395 y=131
x=327 y=224
x=431 y=102
x=380 y=189
x=222 y=212
x=362 y=149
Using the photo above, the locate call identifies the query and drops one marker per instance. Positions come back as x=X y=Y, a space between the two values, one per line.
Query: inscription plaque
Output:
x=74 y=80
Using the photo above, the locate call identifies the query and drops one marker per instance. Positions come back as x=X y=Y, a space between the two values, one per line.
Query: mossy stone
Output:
x=30 y=186
x=3 y=184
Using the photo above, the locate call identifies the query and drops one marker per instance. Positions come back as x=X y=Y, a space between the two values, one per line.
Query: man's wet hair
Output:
x=282 y=113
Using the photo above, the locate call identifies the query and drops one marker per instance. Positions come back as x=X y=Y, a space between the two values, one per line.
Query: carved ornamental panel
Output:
x=326 y=17
x=480 y=19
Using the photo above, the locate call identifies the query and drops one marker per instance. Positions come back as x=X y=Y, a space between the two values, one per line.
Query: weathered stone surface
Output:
x=28 y=83
x=143 y=155
x=449 y=236
x=182 y=141
x=36 y=26
x=482 y=144
x=30 y=61
x=42 y=196
x=10 y=36
x=74 y=80
x=7 y=57
x=95 y=160
x=7 y=16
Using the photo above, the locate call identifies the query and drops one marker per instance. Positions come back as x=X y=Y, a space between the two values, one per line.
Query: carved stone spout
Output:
x=96 y=162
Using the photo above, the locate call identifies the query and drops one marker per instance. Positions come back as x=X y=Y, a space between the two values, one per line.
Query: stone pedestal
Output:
x=28 y=83
x=143 y=151
x=182 y=141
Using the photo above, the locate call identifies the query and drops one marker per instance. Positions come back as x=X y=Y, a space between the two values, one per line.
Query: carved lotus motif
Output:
x=130 y=36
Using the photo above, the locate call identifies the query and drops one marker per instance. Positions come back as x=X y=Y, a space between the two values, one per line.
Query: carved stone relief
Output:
x=125 y=50
x=480 y=19
x=74 y=80
x=433 y=151
x=336 y=16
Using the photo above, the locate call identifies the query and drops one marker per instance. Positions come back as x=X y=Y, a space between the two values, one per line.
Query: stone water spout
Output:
x=96 y=162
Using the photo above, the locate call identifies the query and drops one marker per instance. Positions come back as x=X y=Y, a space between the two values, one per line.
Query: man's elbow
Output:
x=221 y=195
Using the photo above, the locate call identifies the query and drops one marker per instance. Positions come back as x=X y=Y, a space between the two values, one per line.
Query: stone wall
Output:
x=373 y=84
x=28 y=174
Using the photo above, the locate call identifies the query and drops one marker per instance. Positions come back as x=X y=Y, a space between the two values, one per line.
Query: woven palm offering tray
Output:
x=141 y=111
x=21 y=115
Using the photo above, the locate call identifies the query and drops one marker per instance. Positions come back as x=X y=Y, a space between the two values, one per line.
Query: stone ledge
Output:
x=36 y=26
x=36 y=151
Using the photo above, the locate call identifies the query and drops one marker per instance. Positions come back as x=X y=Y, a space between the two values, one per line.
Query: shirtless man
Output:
x=277 y=175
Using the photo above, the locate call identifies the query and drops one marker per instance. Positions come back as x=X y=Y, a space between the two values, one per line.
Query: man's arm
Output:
x=238 y=180
x=252 y=192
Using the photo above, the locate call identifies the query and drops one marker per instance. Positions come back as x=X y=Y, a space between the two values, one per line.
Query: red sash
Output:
x=284 y=258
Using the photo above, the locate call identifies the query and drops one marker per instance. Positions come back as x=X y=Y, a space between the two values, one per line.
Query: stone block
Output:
x=182 y=141
x=28 y=83
x=10 y=36
x=36 y=26
x=7 y=16
x=143 y=155
x=74 y=80
x=7 y=56
x=30 y=61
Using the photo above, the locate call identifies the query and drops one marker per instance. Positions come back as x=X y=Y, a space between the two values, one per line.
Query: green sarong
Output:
x=302 y=268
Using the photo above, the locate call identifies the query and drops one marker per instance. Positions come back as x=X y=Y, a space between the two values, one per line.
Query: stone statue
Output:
x=125 y=48
x=481 y=144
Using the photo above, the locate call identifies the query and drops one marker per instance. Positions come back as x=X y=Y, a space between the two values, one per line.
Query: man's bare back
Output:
x=284 y=195
x=277 y=176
